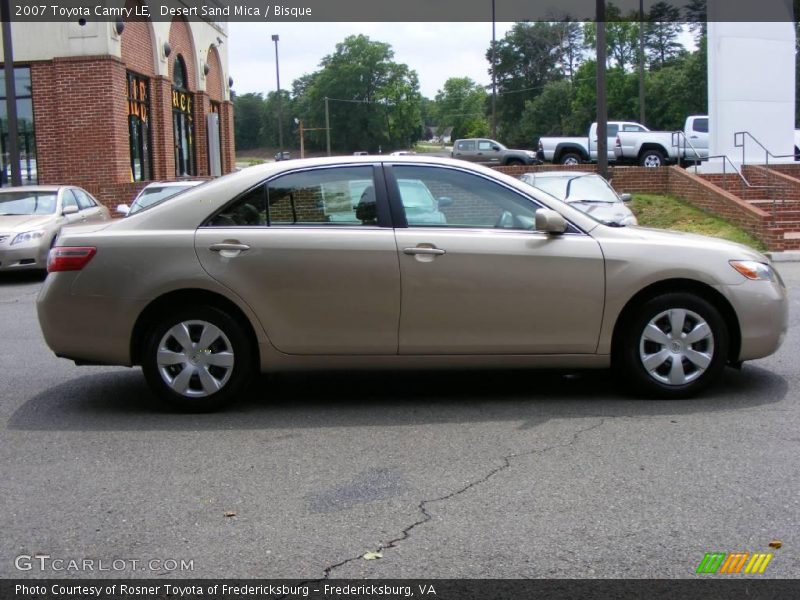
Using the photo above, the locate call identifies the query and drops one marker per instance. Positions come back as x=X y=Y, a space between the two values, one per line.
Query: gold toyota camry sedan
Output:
x=398 y=262
x=31 y=218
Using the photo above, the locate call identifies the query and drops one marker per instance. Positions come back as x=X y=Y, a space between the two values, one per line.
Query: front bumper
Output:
x=22 y=257
x=763 y=311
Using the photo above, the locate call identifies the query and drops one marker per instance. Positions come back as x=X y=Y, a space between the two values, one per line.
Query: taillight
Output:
x=69 y=258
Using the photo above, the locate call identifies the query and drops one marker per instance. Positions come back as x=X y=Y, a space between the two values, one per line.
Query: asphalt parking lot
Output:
x=449 y=475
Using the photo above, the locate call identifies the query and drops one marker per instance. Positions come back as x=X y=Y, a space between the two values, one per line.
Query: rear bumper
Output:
x=83 y=328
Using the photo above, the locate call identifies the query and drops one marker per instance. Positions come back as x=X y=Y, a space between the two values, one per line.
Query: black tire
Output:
x=634 y=347
x=511 y=162
x=571 y=158
x=207 y=367
x=652 y=159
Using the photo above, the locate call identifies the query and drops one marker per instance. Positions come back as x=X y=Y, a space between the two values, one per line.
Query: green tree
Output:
x=622 y=37
x=549 y=112
x=527 y=58
x=248 y=111
x=269 y=126
x=571 y=46
x=461 y=104
x=374 y=101
x=661 y=34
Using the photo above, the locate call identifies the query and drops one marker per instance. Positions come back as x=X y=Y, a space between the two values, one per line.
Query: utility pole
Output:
x=11 y=94
x=327 y=126
x=602 y=104
x=494 y=77
x=641 y=62
x=275 y=39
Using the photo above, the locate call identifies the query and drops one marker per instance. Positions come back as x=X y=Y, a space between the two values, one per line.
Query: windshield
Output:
x=27 y=203
x=153 y=195
x=591 y=188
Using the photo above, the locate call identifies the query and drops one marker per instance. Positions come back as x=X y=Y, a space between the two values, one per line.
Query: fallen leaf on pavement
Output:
x=372 y=556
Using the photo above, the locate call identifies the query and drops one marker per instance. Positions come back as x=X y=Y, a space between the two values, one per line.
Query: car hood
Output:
x=683 y=240
x=10 y=223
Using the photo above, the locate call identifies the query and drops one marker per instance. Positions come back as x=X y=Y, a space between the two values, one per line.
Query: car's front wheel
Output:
x=197 y=359
x=673 y=346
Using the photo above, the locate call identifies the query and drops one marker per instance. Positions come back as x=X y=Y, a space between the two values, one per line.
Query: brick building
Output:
x=110 y=106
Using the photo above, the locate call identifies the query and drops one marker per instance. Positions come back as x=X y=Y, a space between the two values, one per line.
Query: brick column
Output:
x=202 y=105
x=226 y=135
x=163 y=144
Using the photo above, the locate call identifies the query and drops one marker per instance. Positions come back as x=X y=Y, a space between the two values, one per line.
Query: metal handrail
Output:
x=677 y=135
x=739 y=141
x=752 y=186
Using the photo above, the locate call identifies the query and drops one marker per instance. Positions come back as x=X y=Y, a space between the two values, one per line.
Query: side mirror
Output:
x=123 y=209
x=444 y=201
x=625 y=197
x=69 y=210
x=550 y=221
x=495 y=147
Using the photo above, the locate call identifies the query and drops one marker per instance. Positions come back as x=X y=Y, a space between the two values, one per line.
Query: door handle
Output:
x=229 y=249
x=694 y=137
x=424 y=250
x=228 y=246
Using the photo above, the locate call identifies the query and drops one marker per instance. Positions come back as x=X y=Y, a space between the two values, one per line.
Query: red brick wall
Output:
x=137 y=43
x=214 y=87
x=81 y=129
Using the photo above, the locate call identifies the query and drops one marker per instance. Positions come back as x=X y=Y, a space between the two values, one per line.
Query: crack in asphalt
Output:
x=426 y=516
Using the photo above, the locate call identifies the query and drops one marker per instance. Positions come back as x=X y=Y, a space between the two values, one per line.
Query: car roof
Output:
x=35 y=188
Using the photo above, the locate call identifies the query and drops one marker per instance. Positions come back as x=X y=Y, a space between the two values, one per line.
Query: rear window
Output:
x=700 y=125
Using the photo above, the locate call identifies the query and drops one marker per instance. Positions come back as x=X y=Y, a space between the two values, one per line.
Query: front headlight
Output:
x=754 y=270
x=630 y=220
x=28 y=236
x=530 y=154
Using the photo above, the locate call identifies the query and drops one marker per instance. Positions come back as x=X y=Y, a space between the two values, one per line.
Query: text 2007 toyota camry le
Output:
x=392 y=262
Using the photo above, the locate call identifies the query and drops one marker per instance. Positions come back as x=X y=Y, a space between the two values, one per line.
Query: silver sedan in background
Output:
x=31 y=218
x=276 y=268
x=588 y=192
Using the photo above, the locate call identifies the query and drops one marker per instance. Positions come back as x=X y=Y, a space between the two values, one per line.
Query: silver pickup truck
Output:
x=576 y=150
x=657 y=148
x=481 y=150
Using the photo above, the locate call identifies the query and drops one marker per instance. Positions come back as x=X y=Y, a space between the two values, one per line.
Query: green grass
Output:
x=668 y=212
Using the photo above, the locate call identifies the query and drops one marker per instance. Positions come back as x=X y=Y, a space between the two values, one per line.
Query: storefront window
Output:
x=138 y=96
x=26 y=139
x=182 y=122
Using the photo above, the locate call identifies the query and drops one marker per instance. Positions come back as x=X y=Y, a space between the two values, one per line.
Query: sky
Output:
x=436 y=51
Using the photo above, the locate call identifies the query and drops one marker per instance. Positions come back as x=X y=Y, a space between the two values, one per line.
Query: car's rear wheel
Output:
x=197 y=359
x=674 y=346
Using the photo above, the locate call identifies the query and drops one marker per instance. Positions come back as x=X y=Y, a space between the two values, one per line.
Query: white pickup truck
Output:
x=658 y=148
x=576 y=150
